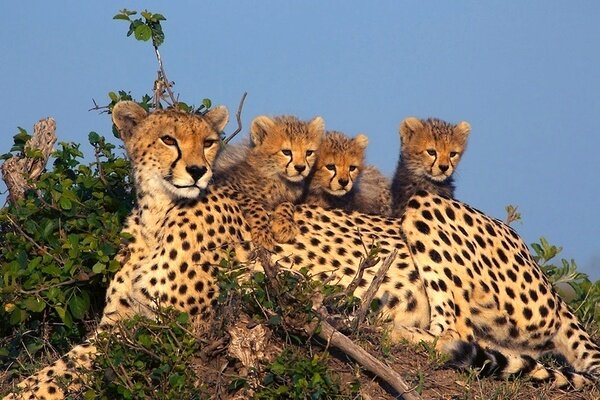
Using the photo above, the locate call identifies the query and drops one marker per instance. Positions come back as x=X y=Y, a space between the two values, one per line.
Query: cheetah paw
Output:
x=262 y=238
x=284 y=230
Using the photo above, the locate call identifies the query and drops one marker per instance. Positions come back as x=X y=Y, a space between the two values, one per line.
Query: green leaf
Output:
x=93 y=138
x=79 y=305
x=206 y=103
x=34 y=304
x=145 y=340
x=89 y=395
x=16 y=316
x=48 y=229
x=122 y=16
x=143 y=32
x=65 y=316
x=183 y=318
x=176 y=380
x=98 y=268
x=65 y=203
x=277 y=368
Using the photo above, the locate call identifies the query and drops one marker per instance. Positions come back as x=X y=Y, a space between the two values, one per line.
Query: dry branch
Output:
x=238 y=117
x=373 y=288
x=334 y=337
x=19 y=172
x=366 y=360
x=365 y=264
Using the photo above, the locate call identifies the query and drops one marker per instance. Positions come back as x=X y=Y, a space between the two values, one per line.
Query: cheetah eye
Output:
x=431 y=152
x=453 y=153
x=352 y=168
x=330 y=167
x=209 y=142
x=309 y=153
x=168 y=140
x=287 y=152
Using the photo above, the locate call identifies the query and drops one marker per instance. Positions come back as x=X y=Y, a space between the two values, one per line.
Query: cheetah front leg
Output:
x=283 y=226
x=258 y=218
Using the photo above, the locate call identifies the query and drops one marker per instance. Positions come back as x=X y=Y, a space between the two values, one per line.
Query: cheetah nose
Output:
x=343 y=182
x=299 y=168
x=444 y=168
x=195 y=171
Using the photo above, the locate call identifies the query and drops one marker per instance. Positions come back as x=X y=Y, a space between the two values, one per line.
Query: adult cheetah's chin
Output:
x=183 y=192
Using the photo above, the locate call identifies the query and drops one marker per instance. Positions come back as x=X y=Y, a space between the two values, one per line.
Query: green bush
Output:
x=297 y=376
x=575 y=287
x=146 y=358
x=58 y=246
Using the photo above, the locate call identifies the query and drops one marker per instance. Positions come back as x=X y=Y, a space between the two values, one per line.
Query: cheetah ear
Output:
x=463 y=128
x=317 y=126
x=218 y=117
x=362 y=141
x=260 y=127
x=126 y=115
x=409 y=126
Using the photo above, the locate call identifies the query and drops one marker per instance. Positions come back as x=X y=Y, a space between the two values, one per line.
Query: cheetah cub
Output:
x=271 y=176
x=341 y=180
x=431 y=151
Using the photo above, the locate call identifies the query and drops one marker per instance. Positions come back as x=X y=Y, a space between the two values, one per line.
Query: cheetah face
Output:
x=287 y=146
x=340 y=162
x=433 y=148
x=172 y=152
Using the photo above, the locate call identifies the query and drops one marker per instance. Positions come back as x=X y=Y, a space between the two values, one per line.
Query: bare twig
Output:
x=373 y=288
x=18 y=172
x=163 y=76
x=99 y=164
x=366 y=263
x=98 y=107
x=238 y=117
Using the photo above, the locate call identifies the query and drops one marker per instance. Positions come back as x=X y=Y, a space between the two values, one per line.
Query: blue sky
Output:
x=525 y=75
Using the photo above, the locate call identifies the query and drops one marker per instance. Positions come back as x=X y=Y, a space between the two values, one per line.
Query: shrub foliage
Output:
x=58 y=246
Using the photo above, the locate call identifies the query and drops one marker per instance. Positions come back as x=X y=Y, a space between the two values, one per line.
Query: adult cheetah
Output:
x=460 y=278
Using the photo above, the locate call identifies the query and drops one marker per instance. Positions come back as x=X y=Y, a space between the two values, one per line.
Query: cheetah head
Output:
x=171 y=151
x=286 y=146
x=432 y=148
x=340 y=162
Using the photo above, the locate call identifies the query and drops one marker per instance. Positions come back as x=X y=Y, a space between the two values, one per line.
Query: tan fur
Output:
x=281 y=156
x=341 y=179
x=431 y=151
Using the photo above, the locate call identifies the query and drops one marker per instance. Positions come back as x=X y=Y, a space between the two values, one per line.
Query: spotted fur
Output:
x=459 y=279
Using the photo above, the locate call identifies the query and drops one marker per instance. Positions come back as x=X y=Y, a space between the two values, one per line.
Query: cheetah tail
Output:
x=488 y=362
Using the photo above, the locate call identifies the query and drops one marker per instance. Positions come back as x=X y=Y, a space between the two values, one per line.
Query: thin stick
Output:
x=238 y=116
x=366 y=263
x=164 y=76
x=373 y=288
